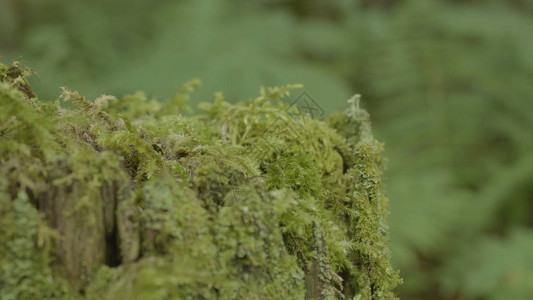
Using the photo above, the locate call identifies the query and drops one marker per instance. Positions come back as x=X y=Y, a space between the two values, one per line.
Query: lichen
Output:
x=131 y=199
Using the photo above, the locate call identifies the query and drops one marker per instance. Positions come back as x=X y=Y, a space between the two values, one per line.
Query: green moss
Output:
x=24 y=264
x=136 y=201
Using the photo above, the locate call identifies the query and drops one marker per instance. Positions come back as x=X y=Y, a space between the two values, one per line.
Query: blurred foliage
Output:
x=448 y=84
x=118 y=47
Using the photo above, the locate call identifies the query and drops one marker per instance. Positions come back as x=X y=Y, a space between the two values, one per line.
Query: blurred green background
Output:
x=448 y=83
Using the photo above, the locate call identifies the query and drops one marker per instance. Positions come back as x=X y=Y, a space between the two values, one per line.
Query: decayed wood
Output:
x=321 y=282
x=128 y=231
x=84 y=221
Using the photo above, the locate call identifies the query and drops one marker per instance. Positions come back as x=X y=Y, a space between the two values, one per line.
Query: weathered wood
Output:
x=84 y=221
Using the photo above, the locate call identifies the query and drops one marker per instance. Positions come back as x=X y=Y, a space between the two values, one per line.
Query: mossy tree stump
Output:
x=130 y=199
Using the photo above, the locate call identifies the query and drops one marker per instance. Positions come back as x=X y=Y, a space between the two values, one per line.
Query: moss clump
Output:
x=129 y=199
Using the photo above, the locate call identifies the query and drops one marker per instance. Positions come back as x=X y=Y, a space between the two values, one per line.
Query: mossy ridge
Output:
x=243 y=201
